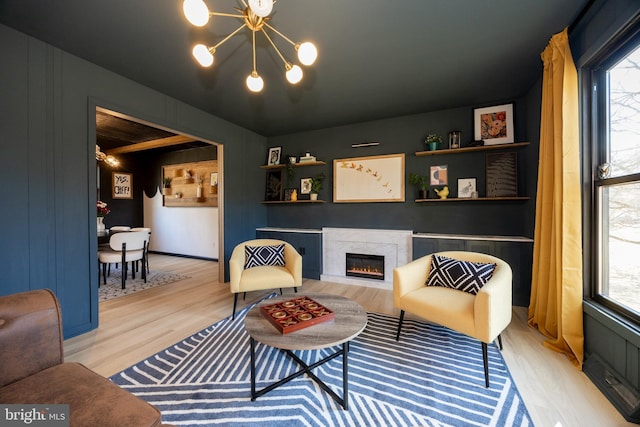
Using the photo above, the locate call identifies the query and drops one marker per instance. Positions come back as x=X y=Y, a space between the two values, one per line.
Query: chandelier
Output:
x=254 y=16
x=102 y=157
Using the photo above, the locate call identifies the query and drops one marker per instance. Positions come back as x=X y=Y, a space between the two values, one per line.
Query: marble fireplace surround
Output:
x=394 y=245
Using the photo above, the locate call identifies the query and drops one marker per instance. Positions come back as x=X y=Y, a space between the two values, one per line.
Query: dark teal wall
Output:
x=47 y=166
x=406 y=135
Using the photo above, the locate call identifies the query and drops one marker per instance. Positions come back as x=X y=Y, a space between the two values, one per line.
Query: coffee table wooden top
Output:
x=350 y=320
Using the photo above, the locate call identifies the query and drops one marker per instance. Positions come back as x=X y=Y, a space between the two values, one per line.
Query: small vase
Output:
x=433 y=146
x=101 y=227
x=423 y=194
x=313 y=196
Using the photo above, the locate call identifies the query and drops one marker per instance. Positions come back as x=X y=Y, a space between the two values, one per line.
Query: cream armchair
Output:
x=483 y=316
x=263 y=277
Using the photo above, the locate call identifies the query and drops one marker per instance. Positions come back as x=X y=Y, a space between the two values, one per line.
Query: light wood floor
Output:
x=136 y=326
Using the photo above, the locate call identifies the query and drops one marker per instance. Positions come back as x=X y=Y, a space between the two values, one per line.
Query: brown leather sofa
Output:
x=33 y=371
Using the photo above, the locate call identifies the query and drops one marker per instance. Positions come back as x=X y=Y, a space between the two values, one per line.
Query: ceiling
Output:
x=377 y=58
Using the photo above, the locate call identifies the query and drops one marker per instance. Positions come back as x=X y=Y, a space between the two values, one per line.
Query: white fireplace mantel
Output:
x=394 y=245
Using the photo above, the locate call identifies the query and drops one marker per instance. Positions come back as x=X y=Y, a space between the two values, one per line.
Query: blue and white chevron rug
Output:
x=431 y=377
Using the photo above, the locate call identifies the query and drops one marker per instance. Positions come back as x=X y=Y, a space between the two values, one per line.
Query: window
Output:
x=616 y=148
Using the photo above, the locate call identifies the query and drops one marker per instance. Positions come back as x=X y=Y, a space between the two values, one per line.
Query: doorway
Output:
x=127 y=137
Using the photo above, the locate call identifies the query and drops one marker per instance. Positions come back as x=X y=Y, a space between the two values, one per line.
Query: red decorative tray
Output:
x=295 y=314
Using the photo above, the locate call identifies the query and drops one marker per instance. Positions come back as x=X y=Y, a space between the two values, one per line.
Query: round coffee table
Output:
x=350 y=319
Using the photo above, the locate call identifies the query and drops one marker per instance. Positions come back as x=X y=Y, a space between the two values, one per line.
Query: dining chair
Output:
x=124 y=248
x=146 y=252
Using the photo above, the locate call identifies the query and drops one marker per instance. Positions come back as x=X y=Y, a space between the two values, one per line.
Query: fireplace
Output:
x=365 y=266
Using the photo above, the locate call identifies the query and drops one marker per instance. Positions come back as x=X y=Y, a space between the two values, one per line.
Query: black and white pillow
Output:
x=457 y=274
x=256 y=256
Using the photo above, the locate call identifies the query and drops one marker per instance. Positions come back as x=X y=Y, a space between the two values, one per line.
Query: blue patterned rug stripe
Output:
x=432 y=377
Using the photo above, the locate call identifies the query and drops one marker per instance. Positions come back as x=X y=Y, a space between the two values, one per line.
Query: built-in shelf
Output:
x=469 y=199
x=471 y=149
x=291 y=202
x=298 y=164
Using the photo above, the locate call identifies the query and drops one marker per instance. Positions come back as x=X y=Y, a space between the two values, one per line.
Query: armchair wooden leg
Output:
x=400 y=325
x=280 y=291
x=295 y=290
x=500 y=341
x=235 y=302
x=486 y=364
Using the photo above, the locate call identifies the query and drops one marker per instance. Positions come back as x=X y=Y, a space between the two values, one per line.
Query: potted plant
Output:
x=433 y=141
x=422 y=182
x=316 y=186
x=166 y=186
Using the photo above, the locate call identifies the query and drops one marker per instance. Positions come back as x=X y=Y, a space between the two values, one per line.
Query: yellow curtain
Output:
x=556 y=288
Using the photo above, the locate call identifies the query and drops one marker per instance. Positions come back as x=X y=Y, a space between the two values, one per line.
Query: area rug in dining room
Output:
x=432 y=377
x=113 y=288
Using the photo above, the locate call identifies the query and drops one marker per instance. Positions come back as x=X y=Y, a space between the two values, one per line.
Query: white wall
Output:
x=183 y=231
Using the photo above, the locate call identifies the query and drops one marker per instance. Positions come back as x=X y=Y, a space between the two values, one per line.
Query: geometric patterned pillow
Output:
x=462 y=275
x=256 y=256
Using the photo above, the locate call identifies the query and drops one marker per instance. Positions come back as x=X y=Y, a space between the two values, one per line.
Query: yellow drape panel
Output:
x=556 y=288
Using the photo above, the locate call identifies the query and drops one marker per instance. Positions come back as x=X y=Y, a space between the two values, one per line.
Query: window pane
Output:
x=624 y=110
x=621 y=244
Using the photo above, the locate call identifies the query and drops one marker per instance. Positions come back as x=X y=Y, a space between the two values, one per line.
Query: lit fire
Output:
x=365 y=270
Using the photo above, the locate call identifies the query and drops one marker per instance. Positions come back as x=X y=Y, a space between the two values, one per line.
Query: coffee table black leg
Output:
x=345 y=376
x=252 y=344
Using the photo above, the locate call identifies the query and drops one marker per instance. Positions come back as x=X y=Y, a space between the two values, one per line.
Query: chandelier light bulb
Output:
x=196 y=12
x=307 y=53
x=255 y=82
x=294 y=74
x=203 y=55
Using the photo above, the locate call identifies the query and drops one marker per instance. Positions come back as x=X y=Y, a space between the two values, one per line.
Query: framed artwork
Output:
x=438 y=175
x=273 y=158
x=274 y=187
x=466 y=187
x=305 y=186
x=494 y=125
x=213 y=179
x=369 y=179
x=502 y=175
x=122 y=185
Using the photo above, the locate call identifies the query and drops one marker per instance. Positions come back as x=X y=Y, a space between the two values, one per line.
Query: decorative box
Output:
x=295 y=314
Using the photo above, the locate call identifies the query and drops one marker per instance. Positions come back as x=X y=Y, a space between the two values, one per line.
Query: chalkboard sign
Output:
x=122 y=186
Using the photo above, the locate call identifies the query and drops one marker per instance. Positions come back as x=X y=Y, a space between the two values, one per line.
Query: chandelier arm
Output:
x=287 y=65
x=231 y=15
x=229 y=36
x=253 y=48
x=279 y=33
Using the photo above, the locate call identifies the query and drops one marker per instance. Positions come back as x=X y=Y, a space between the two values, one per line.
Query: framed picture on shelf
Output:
x=273 y=158
x=466 y=187
x=494 y=125
x=274 y=186
x=502 y=175
x=305 y=186
x=213 y=179
x=438 y=175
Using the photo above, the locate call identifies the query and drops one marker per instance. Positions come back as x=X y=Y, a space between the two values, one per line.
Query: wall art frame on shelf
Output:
x=122 y=187
x=305 y=186
x=369 y=179
x=438 y=175
x=467 y=188
x=274 y=190
x=273 y=156
x=494 y=125
x=502 y=175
